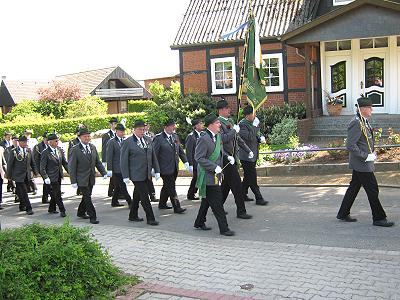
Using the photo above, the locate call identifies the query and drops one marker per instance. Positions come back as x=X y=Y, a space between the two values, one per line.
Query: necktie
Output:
x=87 y=150
x=170 y=140
x=55 y=153
x=143 y=143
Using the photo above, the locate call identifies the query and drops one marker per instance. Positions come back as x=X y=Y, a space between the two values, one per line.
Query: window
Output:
x=123 y=106
x=341 y=2
x=374 y=72
x=273 y=65
x=338 y=45
x=374 y=43
x=338 y=77
x=223 y=75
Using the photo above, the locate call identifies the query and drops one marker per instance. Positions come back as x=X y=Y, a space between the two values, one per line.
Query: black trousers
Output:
x=250 y=179
x=368 y=181
x=192 y=188
x=21 y=190
x=10 y=185
x=169 y=190
x=32 y=185
x=55 y=194
x=213 y=199
x=86 y=205
x=152 y=190
x=232 y=182
x=1 y=190
x=141 y=193
x=119 y=188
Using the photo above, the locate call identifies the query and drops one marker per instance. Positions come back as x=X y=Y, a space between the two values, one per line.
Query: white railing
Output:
x=129 y=92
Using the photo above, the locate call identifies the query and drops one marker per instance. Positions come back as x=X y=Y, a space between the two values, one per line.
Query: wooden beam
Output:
x=308 y=80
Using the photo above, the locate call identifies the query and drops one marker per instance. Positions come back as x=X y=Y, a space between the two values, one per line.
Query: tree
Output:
x=60 y=91
x=88 y=106
x=162 y=95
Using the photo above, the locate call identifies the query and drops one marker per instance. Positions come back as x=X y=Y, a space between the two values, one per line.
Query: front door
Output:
x=338 y=80
x=375 y=79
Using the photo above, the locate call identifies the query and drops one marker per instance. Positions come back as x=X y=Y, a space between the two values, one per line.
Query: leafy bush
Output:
x=23 y=109
x=88 y=106
x=141 y=105
x=189 y=107
x=272 y=115
x=283 y=131
x=55 y=262
x=63 y=126
x=338 y=154
x=47 y=108
x=60 y=91
x=163 y=95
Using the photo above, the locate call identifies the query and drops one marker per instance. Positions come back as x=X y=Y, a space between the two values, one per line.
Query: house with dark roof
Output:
x=310 y=48
x=113 y=85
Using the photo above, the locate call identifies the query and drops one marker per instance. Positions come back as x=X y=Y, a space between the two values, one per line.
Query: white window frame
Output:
x=338 y=3
x=214 y=89
x=280 y=87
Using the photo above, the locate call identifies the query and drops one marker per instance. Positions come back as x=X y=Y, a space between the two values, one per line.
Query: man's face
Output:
x=45 y=141
x=120 y=133
x=139 y=131
x=199 y=127
x=85 y=139
x=215 y=126
x=15 y=143
x=225 y=112
x=113 y=125
x=170 y=129
x=23 y=144
x=366 y=111
x=7 y=137
x=251 y=117
x=53 y=143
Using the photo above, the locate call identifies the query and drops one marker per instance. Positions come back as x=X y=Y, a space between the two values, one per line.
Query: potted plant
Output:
x=334 y=104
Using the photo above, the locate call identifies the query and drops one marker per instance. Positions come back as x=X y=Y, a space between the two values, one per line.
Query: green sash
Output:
x=226 y=122
x=250 y=126
x=201 y=176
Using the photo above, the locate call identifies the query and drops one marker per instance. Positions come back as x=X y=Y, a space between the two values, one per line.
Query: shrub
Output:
x=283 y=131
x=141 y=105
x=272 y=115
x=63 y=126
x=162 y=95
x=55 y=262
x=23 y=109
x=338 y=154
x=56 y=109
x=60 y=91
x=88 y=106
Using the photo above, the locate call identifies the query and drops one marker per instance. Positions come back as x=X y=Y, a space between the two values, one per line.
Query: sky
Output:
x=44 y=38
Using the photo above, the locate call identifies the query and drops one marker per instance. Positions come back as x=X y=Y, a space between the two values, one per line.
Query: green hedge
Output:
x=68 y=126
x=56 y=262
x=140 y=105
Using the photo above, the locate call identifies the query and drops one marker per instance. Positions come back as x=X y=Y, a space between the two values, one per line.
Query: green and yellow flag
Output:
x=254 y=74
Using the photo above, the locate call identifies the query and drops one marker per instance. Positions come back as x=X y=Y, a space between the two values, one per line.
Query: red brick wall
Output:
x=292 y=56
x=296 y=97
x=195 y=83
x=165 y=81
x=194 y=60
x=218 y=51
x=296 y=77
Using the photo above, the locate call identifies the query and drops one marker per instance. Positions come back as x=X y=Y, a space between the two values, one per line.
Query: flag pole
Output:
x=240 y=92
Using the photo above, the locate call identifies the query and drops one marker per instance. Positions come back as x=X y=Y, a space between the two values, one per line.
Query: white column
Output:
x=356 y=73
x=393 y=81
x=323 y=78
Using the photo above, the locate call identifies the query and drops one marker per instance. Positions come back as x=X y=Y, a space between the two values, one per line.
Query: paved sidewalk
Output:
x=294 y=248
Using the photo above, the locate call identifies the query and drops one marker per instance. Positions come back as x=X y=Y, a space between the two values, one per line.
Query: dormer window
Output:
x=341 y=2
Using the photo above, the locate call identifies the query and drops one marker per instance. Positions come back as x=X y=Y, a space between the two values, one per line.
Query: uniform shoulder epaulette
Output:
x=202 y=133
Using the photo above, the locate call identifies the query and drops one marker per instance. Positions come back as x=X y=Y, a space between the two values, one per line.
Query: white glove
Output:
x=256 y=121
x=236 y=127
x=191 y=169
x=218 y=170
x=371 y=157
x=263 y=140
x=186 y=166
x=231 y=160
x=109 y=173
x=74 y=185
x=153 y=173
x=251 y=154
x=126 y=180
x=105 y=176
x=157 y=176
x=47 y=180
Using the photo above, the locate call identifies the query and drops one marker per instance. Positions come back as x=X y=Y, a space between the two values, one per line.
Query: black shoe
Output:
x=247 y=199
x=228 y=233
x=34 y=192
x=85 y=216
x=16 y=200
x=179 y=210
x=347 y=218
x=383 y=223
x=261 y=202
x=117 y=205
x=29 y=212
x=94 y=221
x=192 y=197
x=153 y=198
x=53 y=212
x=152 y=223
x=136 y=219
x=164 y=207
x=63 y=214
x=202 y=227
x=245 y=216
